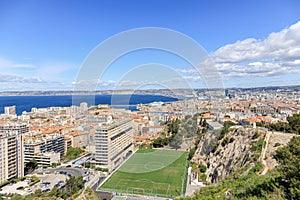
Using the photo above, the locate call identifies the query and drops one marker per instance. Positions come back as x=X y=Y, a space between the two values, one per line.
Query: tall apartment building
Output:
x=45 y=149
x=12 y=150
x=113 y=143
x=10 y=110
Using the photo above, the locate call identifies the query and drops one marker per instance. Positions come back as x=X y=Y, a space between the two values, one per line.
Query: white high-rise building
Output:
x=10 y=110
x=113 y=144
x=83 y=107
x=12 y=150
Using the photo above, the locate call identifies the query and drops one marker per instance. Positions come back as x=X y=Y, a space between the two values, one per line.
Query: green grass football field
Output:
x=151 y=172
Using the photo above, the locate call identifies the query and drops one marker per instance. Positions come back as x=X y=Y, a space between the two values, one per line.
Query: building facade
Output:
x=78 y=138
x=10 y=110
x=113 y=143
x=45 y=149
x=12 y=150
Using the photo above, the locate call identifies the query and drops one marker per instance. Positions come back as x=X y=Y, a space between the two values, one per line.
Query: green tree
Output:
x=55 y=192
x=16 y=197
x=289 y=159
x=294 y=122
x=158 y=142
x=30 y=166
x=176 y=141
x=202 y=168
x=38 y=193
x=73 y=185
x=73 y=152
x=191 y=153
x=173 y=126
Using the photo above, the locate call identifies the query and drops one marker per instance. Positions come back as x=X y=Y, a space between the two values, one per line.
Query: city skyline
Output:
x=43 y=44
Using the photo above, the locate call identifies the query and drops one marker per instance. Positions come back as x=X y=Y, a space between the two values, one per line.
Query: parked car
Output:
x=46 y=190
x=42 y=185
x=20 y=188
x=29 y=180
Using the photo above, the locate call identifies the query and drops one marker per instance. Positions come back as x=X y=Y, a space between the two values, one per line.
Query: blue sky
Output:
x=44 y=43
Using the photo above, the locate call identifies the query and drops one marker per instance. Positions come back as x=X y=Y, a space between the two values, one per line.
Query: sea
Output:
x=26 y=103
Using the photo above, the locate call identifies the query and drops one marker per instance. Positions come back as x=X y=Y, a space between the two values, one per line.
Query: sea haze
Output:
x=25 y=103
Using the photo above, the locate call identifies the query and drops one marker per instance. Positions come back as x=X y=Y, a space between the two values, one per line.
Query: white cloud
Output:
x=18 y=79
x=50 y=74
x=283 y=45
x=278 y=54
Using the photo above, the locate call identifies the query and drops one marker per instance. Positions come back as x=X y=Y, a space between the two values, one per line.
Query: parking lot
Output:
x=15 y=188
x=49 y=178
x=48 y=181
x=70 y=170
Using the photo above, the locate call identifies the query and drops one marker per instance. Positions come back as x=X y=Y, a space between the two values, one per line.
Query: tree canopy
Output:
x=73 y=152
x=289 y=159
x=292 y=126
x=30 y=166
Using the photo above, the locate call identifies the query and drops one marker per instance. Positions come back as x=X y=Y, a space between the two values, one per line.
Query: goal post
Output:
x=139 y=191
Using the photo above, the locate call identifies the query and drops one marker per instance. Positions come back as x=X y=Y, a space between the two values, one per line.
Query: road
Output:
x=263 y=154
x=52 y=179
x=268 y=151
x=71 y=170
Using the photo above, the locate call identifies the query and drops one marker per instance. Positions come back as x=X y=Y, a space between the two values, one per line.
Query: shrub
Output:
x=202 y=168
x=277 y=144
x=203 y=177
x=102 y=169
x=255 y=136
x=225 y=142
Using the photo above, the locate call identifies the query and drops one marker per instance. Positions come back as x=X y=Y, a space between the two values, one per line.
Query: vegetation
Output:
x=73 y=152
x=294 y=122
x=55 y=164
x=289 y=159
x=90 y=195
x=160 y=142
x=292 y=126
x=158 y=172
x=282 y=183
x=280 y=126
x=177 y=130
x=191 y=153
x=225 y=142
x=101 y=169
x=35 y=180
x=30 y=166
x=277 y=144
x=256 y=148
x=202 y=168
x=72 y=188
x=225 y=129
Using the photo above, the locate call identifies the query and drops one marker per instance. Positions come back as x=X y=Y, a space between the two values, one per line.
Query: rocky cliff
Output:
x=223 y=154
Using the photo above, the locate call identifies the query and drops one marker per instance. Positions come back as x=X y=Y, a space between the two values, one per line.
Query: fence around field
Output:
x=166 y=181
x=144 y=188
x=137 y=192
